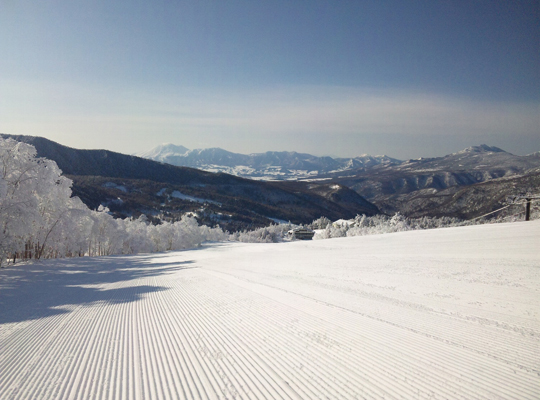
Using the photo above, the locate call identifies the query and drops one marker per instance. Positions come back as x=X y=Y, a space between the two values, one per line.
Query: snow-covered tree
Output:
x=320 y=223
x=136 y=238
x=270 y=234
x=40 y=219
x=35 y=201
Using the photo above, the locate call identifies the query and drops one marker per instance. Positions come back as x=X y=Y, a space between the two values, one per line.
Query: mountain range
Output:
x=420 y=186
x=290 y=186
x=272 y=165
x=425 y=186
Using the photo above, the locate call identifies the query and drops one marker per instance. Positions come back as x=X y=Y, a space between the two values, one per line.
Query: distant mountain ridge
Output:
x=465 y=184
x=271 y=165
x=428 y=181
x=413 y=187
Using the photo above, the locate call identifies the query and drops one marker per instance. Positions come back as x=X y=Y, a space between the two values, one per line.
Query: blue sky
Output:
x=341 y=78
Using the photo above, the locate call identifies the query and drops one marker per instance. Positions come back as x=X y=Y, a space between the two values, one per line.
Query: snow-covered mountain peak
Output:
x=483 y=148
x=163 y=151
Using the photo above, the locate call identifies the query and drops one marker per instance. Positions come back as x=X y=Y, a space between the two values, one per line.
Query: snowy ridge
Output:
x=483 y=148
x=272 y=165
x=425 y=186
x=161 y=152
x=447 y=313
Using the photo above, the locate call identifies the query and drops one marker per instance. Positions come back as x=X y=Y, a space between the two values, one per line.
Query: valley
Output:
x=267 y=187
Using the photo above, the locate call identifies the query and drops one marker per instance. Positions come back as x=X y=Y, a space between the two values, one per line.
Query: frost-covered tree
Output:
x=106 y=236
x=136 y=238
x=40 y=219
x=270 y=234
x=18 y=205
x=399 y=222
x=379 y=224
x=320 y=223
x=35 y=201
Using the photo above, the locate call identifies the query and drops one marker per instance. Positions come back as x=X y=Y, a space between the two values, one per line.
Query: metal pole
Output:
x=528 y=210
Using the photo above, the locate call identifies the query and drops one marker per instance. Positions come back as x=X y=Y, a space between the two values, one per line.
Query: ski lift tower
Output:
x=525 y=199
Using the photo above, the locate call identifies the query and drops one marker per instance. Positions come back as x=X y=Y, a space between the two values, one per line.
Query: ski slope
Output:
x=441 y=314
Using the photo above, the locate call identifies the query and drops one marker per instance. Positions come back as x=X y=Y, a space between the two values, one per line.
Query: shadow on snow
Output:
x=51 y=287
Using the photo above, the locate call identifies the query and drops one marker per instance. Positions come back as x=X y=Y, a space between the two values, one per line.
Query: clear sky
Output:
x=341 y=78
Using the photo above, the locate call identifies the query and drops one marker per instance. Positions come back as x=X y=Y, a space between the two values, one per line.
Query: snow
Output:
x=178 y=195
x=343 y=222
x=115 y=186
x=446 y=313
x=317 y=179
x=278 y=221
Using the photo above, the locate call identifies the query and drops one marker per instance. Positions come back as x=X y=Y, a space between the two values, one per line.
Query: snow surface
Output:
x=178 y=195
x=448 y=313
x=115 y=186
x=343 y=222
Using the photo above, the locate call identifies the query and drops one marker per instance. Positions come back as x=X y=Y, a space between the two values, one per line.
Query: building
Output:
x=301 y=234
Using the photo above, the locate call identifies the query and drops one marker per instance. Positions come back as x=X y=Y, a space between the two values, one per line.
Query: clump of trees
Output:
x=39 y=218
x=359 y=226
x=378 y=224
x=270 y=234
x=362 y=225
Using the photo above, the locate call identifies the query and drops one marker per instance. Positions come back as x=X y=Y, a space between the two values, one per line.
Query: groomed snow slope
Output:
x=450 y=313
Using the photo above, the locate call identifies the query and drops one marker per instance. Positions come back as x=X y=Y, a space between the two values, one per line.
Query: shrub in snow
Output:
x=269 y=234
x=399 y=223
x=320 y=223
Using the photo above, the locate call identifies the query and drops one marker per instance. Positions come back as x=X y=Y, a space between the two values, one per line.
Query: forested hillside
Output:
x=131 y=186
